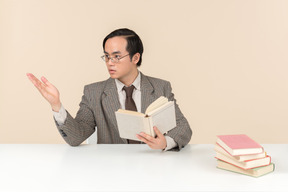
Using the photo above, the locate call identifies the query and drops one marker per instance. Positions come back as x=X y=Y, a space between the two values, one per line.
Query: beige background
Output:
x=226 y=60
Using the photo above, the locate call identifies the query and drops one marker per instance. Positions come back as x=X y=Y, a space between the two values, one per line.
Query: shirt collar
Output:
x=136 y=83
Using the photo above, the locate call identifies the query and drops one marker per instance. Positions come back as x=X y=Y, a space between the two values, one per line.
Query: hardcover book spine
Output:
x=147 y=125
x=152 y=132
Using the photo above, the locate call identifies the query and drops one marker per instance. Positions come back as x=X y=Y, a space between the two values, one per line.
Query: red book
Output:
x=239 y=144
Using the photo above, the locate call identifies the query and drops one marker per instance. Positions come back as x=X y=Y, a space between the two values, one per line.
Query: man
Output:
x=123 y=55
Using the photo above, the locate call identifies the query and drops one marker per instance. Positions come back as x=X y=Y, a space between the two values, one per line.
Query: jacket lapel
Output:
x=111 y=99
x=147 y=93
x=110 y=102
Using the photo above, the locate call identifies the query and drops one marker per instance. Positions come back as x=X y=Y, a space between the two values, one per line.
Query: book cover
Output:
x=249 y=164
x=219 y=149
x=255 y=172
x=239 y=144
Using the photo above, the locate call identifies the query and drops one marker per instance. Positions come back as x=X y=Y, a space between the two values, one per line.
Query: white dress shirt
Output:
x=61 y=116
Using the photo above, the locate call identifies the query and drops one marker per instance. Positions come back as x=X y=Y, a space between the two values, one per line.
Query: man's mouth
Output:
x=112 y=71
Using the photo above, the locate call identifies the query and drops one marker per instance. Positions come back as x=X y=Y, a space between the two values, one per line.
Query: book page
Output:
x=130 y=125
x=157 y=103
x=159 y=109
x=164 y=118
x=130 y=112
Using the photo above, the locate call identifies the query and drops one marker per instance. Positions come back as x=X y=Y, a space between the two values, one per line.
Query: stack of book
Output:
x=241 y=154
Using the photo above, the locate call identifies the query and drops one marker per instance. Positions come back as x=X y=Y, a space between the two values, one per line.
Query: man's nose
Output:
x=109 y=62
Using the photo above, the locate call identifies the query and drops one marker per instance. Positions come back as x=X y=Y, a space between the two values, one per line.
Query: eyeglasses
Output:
x=115 y=59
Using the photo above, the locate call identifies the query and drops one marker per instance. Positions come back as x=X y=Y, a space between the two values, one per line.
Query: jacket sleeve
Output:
x=76 y=130
x=182 y=133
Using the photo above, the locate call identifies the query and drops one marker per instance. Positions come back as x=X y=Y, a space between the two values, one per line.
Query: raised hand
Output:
x=47 y=90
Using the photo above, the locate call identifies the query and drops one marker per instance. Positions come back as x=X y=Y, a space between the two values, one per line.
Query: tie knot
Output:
x=129 y=90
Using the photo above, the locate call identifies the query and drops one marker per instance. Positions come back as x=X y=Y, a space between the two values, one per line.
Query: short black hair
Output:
x=134 y=43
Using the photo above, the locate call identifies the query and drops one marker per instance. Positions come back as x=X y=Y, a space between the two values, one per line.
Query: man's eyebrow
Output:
x=113 y=53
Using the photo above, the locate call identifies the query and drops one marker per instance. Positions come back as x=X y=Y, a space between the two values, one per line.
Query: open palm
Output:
x=47 y=90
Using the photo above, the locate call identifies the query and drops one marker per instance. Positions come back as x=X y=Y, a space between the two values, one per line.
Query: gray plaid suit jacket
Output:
x=98 y=106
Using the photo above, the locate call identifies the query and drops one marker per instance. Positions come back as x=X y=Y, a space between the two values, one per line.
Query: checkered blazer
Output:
x=97 y=110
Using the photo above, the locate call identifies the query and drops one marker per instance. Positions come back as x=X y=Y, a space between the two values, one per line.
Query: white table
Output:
x=41 y=167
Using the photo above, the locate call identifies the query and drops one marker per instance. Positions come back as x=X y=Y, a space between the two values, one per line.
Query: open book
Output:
x=160 y=113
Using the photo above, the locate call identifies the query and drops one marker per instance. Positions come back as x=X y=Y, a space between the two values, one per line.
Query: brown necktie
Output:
x=130 y=105
x=129 y=102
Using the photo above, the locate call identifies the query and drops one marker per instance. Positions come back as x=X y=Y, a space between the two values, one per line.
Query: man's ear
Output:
x=136 y=58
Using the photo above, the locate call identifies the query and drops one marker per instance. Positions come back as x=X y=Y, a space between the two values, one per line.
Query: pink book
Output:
x=239 y=144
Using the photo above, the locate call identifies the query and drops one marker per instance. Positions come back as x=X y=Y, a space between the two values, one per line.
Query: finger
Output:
x=37 y=83
x=149 y=143
x=151 y=146
x=158 y=133
x=31 y=78
x=34 y=80
x=45 y=81
x=143 y=139
x=147 y=137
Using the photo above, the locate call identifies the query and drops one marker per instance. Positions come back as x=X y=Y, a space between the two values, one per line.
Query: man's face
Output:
x=125 y=68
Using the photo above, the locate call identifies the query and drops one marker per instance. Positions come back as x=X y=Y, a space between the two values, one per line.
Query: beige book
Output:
x=249 y=164
x=255 y=172
x=160 y=113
